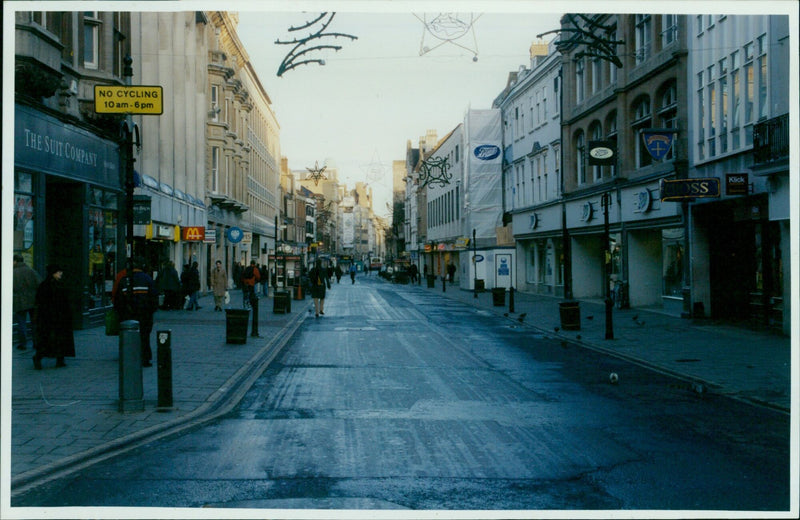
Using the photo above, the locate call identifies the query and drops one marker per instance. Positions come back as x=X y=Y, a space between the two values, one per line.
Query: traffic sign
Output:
x=139 y=99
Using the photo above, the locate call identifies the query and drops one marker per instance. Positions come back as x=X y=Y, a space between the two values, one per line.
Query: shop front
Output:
x=67 y=200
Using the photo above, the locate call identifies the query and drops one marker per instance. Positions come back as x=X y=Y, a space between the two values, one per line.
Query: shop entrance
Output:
x=65 y=239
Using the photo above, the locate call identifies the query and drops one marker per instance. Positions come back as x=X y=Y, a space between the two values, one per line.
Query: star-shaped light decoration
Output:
x=316 y=173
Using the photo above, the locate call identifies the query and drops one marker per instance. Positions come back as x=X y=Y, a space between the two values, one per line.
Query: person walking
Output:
x=193 y=287
x=136 y=298
x=412 y=273
x=250 y=277
x=338 y=272
x=318 y=278
x=451 y=272
x=353 y=273
x=54 y=337
x=26 y=282
x=219 y=284
x=169 y=283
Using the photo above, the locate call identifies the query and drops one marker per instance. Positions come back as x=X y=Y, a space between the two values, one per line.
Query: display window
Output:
x=24 y=216
x=672 y=246
x=103 y=246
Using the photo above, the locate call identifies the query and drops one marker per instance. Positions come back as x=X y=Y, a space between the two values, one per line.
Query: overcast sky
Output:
x=378 y=92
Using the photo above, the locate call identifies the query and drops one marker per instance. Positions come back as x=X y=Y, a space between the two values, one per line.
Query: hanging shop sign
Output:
x=247 y=237
x=688 y=189
x=737 y=184
x=141 y=209
x=193 y=233
x=658 y=141
x=234 y=235
x=601 y=153
x=210 y=235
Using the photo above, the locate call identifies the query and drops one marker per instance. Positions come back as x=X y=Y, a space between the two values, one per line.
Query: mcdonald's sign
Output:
x=193 y=233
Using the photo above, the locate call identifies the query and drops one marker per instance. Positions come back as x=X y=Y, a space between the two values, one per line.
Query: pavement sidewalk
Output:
x=746 y=364
x=64 y=417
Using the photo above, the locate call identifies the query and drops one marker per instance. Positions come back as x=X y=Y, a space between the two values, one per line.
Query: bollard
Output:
x=164 y=355
x=444 y=284
x=130 y=368
x=511 y=299
x=254 y=305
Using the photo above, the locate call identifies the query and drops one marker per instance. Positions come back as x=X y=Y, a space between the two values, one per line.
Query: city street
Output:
x=399 y=397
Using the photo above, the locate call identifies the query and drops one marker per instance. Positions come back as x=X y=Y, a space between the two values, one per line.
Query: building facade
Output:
x=616 y=106
x=738 y=94
x=69 y=197
x=531 y=113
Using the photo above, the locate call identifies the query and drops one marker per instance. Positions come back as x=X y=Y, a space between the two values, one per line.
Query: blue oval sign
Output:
x=486 y=152
x=479 y=258
x=235 y=235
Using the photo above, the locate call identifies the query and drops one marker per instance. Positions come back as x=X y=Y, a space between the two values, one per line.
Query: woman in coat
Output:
x=54 y=336
x=319 y=281
x=219 y=284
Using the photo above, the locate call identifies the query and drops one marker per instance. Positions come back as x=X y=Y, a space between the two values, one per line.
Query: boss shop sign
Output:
x=689 y=189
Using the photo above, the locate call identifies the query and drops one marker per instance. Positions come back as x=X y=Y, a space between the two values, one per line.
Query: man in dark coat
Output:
x=26 y=282
x=170 y=284
x=54 y=336
x=137 y=299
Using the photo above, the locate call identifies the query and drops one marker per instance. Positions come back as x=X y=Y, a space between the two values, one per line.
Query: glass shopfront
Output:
x=103 y=251
x=672 y=247
x=24 y=217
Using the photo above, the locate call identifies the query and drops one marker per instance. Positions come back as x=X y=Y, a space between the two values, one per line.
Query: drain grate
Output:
x=687 y=360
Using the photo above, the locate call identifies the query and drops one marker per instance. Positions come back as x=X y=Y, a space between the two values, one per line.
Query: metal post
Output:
x=128 y=160
x=474 y=265
x=130 y=368
x=444 y=282
x=511 y=289
x=606 y=200
x=164 y=356
x=254 y=305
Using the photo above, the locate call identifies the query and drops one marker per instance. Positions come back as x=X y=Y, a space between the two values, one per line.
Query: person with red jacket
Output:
x=250 y=277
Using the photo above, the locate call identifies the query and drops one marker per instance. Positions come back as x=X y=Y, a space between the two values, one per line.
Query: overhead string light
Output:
x=447 y=28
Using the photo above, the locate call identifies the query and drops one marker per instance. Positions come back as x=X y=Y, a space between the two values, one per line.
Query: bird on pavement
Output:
x=556 y=329
x=589 y=317
x=521 y=317
x=635 y=317
x=505 y=314
x=578 y=336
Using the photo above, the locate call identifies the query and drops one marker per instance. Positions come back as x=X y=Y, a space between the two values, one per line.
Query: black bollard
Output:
x=254 y=305
x=130 y=368
x=444 y=284
x=164 y=356
x=511 y=300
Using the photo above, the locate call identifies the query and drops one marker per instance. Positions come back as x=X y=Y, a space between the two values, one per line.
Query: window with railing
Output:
x=669 y=29
x=642 y=119
x=643 y=33
x=771 y=140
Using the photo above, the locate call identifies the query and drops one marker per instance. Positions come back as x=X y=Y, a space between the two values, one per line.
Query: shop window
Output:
x=24 y=216
x=91 y=40
x=642 y=120
x=104 y=259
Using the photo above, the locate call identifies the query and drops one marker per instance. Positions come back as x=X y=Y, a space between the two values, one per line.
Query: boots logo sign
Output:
x=193 y=233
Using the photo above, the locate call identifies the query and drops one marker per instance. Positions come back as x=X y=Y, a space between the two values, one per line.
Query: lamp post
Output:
x=474 y=266
x=606 y=201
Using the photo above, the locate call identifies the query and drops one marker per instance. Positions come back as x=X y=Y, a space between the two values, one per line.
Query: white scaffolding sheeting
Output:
x=484 y=172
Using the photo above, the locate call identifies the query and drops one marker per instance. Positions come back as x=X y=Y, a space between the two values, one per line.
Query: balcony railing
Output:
x=771 y=140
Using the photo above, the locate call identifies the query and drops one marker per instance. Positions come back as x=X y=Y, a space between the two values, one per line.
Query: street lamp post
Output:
x=606 y=201
x=474 y=266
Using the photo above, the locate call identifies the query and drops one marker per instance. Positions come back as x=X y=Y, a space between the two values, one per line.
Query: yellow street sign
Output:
x=139 y=99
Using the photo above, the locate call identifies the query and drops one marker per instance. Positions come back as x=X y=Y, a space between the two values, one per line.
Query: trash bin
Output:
x=236 y=325
x=281 y=302
x=431 y=281
x=570 y=315
x=499 y=296
x=480 y=285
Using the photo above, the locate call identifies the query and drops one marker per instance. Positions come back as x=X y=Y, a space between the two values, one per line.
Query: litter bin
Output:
x=431 y=281
x=499 y=296
x=236 y=325
x=281 y=302
x=570 y=315
x=480 y=285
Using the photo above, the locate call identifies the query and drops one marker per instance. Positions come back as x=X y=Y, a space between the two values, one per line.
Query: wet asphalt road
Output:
x=399 y=398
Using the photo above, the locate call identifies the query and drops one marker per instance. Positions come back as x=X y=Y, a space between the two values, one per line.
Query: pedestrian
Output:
x=26 y=282
x=338 y=273
x=53 y=336
x=451 y=272
x=318 y=278
x=250 y=277
x=219 y=284
x=412 y=273
x=353 y=273
x=193 y=287
x=136 y=298
x=169 y=283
